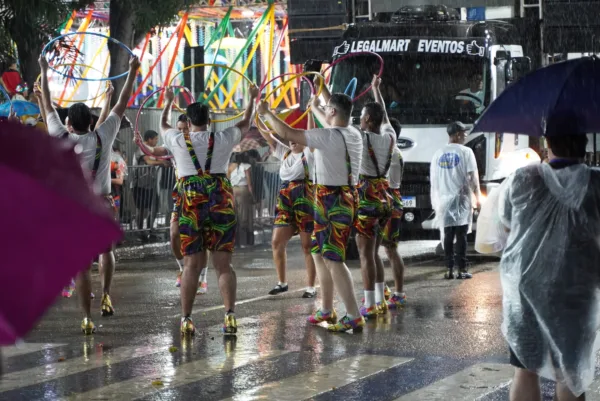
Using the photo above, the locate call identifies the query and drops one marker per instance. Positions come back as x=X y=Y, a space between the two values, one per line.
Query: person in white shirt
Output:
x=240 y=175
x=474 y=94
x=374 y=203
x=294 y=209
x=391 y=231
x=454 y=182
x=338 y=152
x=96 y=148
x=207 y=218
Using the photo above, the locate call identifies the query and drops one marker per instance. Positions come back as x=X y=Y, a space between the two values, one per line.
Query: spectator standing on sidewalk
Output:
x=454 y=182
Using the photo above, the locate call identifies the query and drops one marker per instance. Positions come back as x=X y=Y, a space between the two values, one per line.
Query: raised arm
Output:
x=244 y=124
x=165 y=117
x=119 y=109
x=106 y=106
x=283 y=130
x=378 y=98
x=325 y=91
x=318 y=111
x=46 y=101
x=38 y=99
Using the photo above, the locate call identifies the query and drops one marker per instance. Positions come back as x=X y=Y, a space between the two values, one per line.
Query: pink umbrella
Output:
x=51 y=216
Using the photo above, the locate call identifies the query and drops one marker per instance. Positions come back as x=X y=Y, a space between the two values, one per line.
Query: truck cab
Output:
x=437 y=69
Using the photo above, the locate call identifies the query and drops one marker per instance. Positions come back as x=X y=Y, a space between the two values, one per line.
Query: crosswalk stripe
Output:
x=325 y=378
x=26 y=348
x=181 y=375
x=469 y=384
x=68 y=367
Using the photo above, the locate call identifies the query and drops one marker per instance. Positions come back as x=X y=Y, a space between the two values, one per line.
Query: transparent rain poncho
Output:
x=452 y=197
x=550 y=271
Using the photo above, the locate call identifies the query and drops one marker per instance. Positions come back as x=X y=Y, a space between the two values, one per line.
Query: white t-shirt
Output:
x=292 y=167
x=381 y=147
x=451 y=194
x=330 y=154
x=225 y=141
x=107 y=131
x=396 y=169
x=238 y=176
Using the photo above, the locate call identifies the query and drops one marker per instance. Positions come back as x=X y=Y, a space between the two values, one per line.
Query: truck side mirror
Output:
x=516 y=68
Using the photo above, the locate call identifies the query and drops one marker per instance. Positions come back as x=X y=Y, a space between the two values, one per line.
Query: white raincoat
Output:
x=550 y=271
x=451 y=193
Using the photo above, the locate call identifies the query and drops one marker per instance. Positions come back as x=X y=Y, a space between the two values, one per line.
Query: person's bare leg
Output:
x=311 y=272
x=397 y=266
x=366 y=250
x=326 y=282
x=281 y=237
x=564 y=394
x=379 y=272
x=344 y=286
x=226 y=277
x=525 y=386
x=106 y=268
x=175 y=240
x=83 y=283
x=192 y=265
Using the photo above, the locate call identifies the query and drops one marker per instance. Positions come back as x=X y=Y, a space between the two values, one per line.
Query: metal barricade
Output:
x=146 y=202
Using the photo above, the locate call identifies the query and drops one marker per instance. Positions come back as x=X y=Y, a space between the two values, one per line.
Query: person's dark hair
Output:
x=571 y=146
x=342 y=104
x=182 y=118
x=564 y=134
x=375 y=112
x=80 y=117
x=395 y=123
x=150 y=135
x=198 y=114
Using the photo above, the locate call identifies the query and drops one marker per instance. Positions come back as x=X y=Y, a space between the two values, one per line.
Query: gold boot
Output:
x=87 y=326
x=230 y=325
x=106 y=306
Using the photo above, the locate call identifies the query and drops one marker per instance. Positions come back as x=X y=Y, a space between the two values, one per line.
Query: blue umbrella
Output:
x=21 y=107
x=568 y=88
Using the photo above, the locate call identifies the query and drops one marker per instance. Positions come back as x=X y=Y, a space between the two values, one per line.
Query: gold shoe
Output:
x=87 y=326
x=106 y=306
x=187 y=327
x=382 y=307
x=230 y=325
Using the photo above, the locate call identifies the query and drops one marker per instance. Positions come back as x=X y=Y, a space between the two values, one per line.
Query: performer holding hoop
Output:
x=207 y=219
x=96 y=150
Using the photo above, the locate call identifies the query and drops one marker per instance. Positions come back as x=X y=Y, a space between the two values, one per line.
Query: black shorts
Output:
x=514 y=361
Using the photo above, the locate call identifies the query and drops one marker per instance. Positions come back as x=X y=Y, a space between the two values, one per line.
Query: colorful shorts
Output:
x=207 y=220
x=176 y=195
x=335 y=209
x=295 y=206
x=391 y=231
x=374 y=206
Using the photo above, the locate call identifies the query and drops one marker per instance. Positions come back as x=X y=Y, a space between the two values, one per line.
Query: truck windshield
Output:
x=419 y=88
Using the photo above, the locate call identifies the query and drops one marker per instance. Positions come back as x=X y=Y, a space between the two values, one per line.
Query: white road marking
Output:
x=26 y=348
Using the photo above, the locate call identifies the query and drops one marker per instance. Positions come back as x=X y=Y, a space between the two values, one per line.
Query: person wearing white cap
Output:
x=454 y=181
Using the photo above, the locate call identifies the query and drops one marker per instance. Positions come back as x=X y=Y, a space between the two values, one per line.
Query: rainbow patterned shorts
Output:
x=176 y=203
x=391 y=231
x=335 y=209
x=295 y=206
x=374 y=206
x=207 y=220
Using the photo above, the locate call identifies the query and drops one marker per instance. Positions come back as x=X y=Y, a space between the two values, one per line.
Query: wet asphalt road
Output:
x=444 y=345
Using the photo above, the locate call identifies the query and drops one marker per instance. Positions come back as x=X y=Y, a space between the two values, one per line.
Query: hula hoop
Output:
x=139 y=113
x=79 y=65
x=127 y=49
x=266 y=130
x=224 y=120
x=312 y=85
x=353 y=82
x=339 y=60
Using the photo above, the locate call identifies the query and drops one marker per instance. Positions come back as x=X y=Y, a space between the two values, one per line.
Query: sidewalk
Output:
x=261 y=254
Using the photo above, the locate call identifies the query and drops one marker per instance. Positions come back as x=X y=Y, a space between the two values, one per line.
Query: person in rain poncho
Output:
x=549 y=269
x=454 y=182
